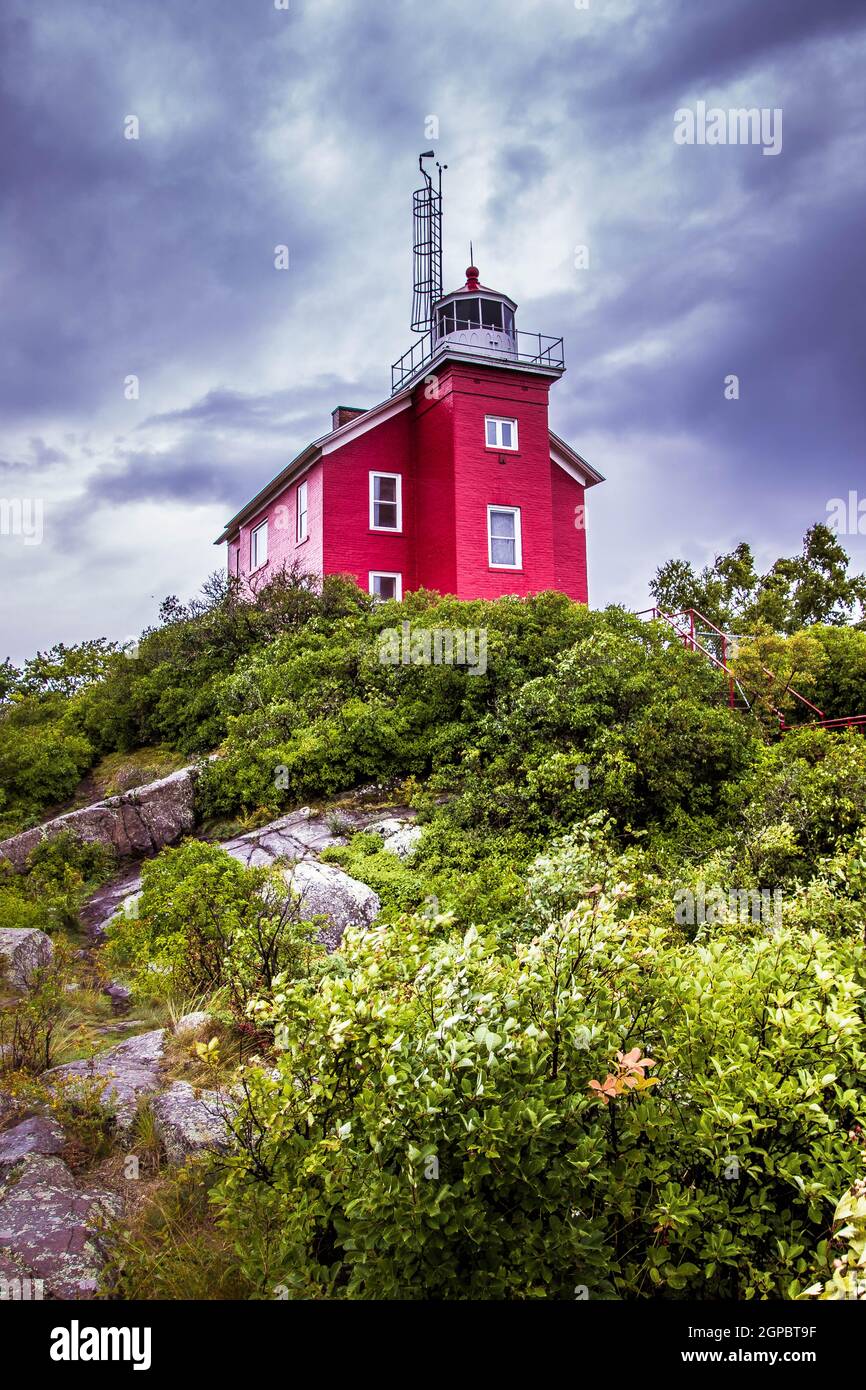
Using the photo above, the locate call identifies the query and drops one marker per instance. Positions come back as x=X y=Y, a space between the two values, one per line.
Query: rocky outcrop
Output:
x=192 y=1024
x=135 y=823
x=49 y=1227
x=295 y=836
x=38 y=1135
x=23 y=953
x=324 y=890
x=398 y=835
x=130 y=1071
x=190 y=1122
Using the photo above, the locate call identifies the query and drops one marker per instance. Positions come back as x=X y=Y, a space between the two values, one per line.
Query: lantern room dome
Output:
x=476 y=317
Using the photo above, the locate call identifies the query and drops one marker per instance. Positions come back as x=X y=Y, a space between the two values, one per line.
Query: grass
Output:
x=170 y=1247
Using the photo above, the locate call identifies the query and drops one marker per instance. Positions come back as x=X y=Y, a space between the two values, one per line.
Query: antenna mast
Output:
x=426 y=247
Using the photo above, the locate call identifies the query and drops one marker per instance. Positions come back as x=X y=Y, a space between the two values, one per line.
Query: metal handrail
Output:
x=548 y=353
x=689 y=637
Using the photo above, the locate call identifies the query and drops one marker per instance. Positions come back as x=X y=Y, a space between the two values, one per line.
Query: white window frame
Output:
x=256 y=530
x=391 y=530
x=498 y=421
x=302 y=529
x=385 y=574
x=518 y=537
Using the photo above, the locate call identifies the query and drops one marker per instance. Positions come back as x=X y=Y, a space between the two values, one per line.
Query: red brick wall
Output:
x=523 y=480
x=350 y=546
x=435 y=508
x=282 y=545
x=569 y=535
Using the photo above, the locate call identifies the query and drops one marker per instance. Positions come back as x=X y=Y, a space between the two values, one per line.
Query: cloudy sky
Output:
x=261 y=126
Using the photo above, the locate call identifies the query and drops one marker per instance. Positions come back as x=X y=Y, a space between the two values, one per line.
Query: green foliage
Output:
x=206 y=924
x=42 y=759
x=564 y=689
x=443 y=1126
x=60 y=873
x=813 y=587
x=31 y=1030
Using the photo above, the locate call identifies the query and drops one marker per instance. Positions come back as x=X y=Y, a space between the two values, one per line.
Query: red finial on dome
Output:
x=472 y=274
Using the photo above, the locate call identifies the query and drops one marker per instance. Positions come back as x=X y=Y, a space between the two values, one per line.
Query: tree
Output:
x=813 y=587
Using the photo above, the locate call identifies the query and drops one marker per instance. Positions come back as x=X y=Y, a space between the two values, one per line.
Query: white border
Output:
x=502 y=420
x=385 y=574
x=389 y=530
x=518 y=537
x=299 y=539
x=253 y=569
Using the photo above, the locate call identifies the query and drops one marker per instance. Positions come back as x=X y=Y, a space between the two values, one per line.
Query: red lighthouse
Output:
x=455 y=482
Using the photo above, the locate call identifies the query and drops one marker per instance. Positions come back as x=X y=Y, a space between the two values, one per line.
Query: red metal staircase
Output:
x=699 y=634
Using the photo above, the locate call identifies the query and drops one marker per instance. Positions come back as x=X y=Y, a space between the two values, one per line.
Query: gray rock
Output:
x=136 y=822
x=399 y=836
x=193 y=1023
x=37 y=1135
x=49 y=1227
x=290 y=837
x=119 y=995
x=130 y=1070
x=327 y=891
x=23 y=951
x=189 y=1123
x=110 y=899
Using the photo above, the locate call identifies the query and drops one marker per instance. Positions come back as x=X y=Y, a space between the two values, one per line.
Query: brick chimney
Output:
x=344 y=413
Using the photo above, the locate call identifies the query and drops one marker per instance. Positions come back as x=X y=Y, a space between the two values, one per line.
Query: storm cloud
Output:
x=156 y=368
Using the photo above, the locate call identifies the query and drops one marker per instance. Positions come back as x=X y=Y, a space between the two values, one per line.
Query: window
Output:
x=384 y=586
x=301 y=512
x=446 y=320
x=491 y=313
x=503 y=538
x=386 y=502
x=500 y=434
x=259 y=546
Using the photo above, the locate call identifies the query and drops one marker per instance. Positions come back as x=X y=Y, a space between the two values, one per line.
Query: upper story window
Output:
x=259 y=546
x=386 y=502
x=500 y=433
x=301 y=512
x=504 y=548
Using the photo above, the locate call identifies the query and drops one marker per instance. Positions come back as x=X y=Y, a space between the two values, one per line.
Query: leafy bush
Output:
x=451 y=1120
x=205 y=923
x=60 y=874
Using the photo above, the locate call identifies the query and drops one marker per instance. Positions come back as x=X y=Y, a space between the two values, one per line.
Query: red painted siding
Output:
x=350 y=545
x=435 y=502
x=569 y=535
x=283 y=547
x=481 y=480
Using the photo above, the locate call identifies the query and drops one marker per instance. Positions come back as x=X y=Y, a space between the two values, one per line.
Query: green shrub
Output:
x=205 y=923
x=455 y=1121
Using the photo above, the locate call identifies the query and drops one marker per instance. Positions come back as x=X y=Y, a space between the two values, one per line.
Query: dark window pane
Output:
x=385 y=586
x=491 y=313
x=386 y=490
x=467 y=314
